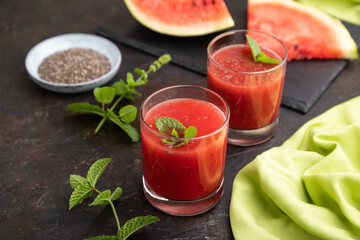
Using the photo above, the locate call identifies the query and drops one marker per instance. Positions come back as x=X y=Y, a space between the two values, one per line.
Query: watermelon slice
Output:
x=307 y=33
x=181 y=17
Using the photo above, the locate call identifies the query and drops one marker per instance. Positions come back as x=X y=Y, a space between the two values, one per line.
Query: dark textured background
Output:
x=41 y=144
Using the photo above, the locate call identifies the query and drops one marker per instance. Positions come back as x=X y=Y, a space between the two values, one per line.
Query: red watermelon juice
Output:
x=190 y=172
x=252 y=89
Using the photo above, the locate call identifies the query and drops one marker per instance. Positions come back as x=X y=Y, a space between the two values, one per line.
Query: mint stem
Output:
x=115 y=214
x=113 y=209
x=100 y=124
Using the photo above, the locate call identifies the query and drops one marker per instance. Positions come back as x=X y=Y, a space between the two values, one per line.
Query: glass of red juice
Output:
x=184 y=180
x=252 y=89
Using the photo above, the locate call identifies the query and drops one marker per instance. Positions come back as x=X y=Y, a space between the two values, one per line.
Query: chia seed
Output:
x=75 y=65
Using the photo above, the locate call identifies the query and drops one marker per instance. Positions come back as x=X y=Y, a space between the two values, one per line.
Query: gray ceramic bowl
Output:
x=64 y=42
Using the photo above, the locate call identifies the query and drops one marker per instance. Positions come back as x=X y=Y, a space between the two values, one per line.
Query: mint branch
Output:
x=84 y=187
x=258 y=55
x=106 y=95
x=129 y=89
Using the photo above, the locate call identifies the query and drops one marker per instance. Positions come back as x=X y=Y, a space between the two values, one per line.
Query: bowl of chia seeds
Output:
x=73 y=63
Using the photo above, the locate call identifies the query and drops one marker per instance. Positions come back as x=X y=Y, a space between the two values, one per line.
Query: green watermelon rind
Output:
x=345 y=41
x=197 y=29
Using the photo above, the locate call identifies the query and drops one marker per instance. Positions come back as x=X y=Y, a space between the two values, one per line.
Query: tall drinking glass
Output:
x=184 y=176
x=252 y=89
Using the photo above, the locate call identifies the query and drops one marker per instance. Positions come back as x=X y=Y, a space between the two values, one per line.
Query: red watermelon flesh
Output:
x=306 y=32
x=181 y=17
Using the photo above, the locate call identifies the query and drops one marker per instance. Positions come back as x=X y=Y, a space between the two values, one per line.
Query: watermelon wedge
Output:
x=307 y=33
x=181 y=17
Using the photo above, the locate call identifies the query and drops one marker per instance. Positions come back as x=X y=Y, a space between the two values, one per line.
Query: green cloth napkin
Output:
x=308 y=188
x=347 y=10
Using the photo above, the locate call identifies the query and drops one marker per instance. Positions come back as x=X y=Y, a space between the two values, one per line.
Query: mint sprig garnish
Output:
x=84 y=188
x=174 y=128
x=106 y=95
x=258 y=55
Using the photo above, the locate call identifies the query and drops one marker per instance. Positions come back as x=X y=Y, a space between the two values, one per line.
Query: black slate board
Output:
x=305 y=81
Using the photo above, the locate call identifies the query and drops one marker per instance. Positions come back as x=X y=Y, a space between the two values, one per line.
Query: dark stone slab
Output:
x=305 y=81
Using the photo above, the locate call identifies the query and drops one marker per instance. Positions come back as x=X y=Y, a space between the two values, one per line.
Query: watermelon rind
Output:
x=344 y=41
x=188 y=30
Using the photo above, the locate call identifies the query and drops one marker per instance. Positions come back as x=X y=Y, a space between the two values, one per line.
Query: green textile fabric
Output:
x=347 y=10
x=308 y=188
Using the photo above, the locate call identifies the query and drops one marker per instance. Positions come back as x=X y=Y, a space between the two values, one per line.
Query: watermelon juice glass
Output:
x=252 y=89
x=188 y=179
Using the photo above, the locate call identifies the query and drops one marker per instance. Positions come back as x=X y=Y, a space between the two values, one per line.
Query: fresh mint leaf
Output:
x=140 y=72
x=130 y=130
x=262 y=57
x=128 y=113
x=130 y=79
x=129 y=96
x=77 y=180
x=255 y=49
x=116 y=194
x=174 y=133
x=143 y=77
x=169 y=141
x=102 y=237
x=258 y=55
x=165 y=125
x=96 y=170
x=85 y=108
x=120 y=87
x=79 y=195
x=190 y=132
x=133 y=91
x=104 y=95
x=135 y=224
x=102 y=199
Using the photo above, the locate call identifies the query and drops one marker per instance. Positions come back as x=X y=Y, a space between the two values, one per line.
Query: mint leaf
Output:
x=85 y=108
x=140 y=72
x=77 y=180
x=130 y=79
x=143 y=77
x=135 y=224
x=96 y=170
x=130 y=130
x=255 y=49
x=116 y=194
x=102 y=199
x=262 y=57
x=190 y=132
x=174 y=133
x=102 y=237
x=133 y=91
x=258 y=55
x=128 y=113
x=120 y=87
x=79 y=194
x=129 y=96
x=165 y=125
x=104 y=95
